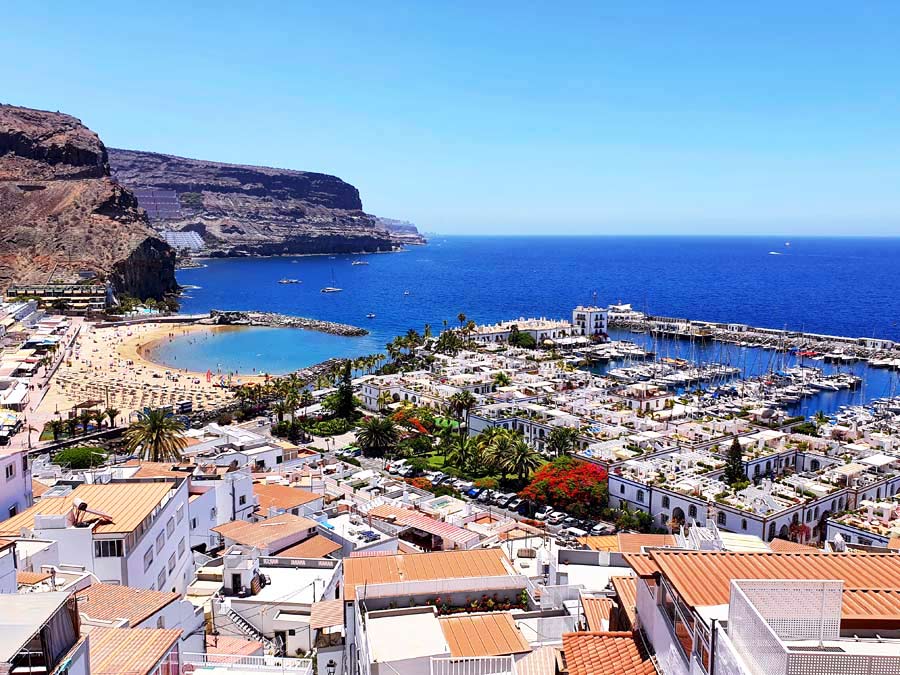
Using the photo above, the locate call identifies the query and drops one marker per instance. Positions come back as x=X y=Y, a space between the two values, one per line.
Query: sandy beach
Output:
x=111 y=366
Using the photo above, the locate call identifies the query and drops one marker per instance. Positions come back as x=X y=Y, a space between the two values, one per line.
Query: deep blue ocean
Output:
x=840 y=286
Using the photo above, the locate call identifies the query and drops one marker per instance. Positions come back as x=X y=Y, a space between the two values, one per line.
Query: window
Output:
x=179 y=514
x=160 y=541
x=212 y=513
x=665 y=502
x=13 y=510
x=640 y=495
x=170 y=526
x=720 y=518
x=621 y=489
x=148 y=558
x=171 y=563
x=25 y=464
x=692 y=511
x=193 y=523
x=181 y=547
x=743 y=523
x=10 y=471
x=242 y=500
x=279 y=459
x=108 y=548
x=160 y=622
x=161 y=579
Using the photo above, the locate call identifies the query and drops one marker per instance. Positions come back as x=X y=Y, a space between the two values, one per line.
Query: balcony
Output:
x=236 y=664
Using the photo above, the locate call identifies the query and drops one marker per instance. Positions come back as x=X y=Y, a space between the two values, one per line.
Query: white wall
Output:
x=8 y=571
x=15 y=492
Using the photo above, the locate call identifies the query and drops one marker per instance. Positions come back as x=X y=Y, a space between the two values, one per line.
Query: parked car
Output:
x=556 y=518
x=515 y=504
x=572 y=521
x=602 y=528
x=474 y=492
x=486 y=497
x=543 y=512
x=503 y=498
x=575 y=532
x=463 y=485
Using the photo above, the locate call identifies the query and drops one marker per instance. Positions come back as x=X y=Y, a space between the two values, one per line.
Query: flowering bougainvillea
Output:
x=577 y=487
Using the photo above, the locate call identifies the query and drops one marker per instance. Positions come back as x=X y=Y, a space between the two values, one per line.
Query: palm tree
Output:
x=56 y=427
x=502 y=379
x=384 y=400
x=112 y=414
x=461 y=318
x=84 y=419
x=821 y=419
x=461 y=452
x=562 y=440
x=306 y=400
x=280 y=408
x=71 y=424
x=521 y=459
x=377 y=435
x=158 y=435
x=462 y=403
x=427 y=331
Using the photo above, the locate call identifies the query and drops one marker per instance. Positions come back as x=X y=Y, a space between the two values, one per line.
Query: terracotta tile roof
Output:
x=282 y=497
x=597 y=612
x=326 y=614
x=703 y=577
x=38 y=488
x=785 y=546
x=626 y=590
x=226 y=644
x=110 y=601
x=632 y=543
x=490 y=634
x=386 y=511
x=6 y=543
x=608 y=542
x=487 y=562
x=604 y=653
x=314 y=547
x=131 y=651
x=127 y=503
x=423 y=522
x=868 y=606
x=541 y=661
x=263 y=533
x=894 y=543
x=31 y=578
x=160 y=469
x=641 y=563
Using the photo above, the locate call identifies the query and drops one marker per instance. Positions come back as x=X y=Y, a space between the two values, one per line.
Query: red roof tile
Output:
x=602 y=653
x=596 y=612
x=110 y=601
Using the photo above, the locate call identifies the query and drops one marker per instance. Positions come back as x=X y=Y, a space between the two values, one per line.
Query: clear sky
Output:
x=502 y=117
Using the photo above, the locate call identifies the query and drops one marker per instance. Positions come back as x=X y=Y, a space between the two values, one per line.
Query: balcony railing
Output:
x=481 y=665
x=237 y=663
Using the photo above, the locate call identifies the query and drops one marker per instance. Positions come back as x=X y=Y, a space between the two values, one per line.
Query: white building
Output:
x=15 y=482
x=590 y=320
x=131 y=532
x=40 y=630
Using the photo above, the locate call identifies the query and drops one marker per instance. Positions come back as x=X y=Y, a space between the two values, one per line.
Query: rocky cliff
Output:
x=62 y=215
x=254 y=210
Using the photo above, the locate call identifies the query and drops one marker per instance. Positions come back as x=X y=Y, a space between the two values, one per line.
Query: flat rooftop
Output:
x=422 y=636
x=302 y=585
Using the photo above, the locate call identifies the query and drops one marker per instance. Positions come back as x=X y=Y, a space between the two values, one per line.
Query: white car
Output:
x=556 y=517
x=543 y=512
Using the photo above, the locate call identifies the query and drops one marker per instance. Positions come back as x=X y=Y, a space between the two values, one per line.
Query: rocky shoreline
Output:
x=219 y=317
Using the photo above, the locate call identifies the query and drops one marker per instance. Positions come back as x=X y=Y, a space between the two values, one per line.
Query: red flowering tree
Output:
x=577 y=487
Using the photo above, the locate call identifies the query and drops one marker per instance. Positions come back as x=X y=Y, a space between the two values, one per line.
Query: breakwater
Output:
x=218 y=317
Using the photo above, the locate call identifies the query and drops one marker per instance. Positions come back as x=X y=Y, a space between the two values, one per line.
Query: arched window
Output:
x=622 y=489
x=720 y=519
x=771 y=531
x=692 y=511
x=665 y=502
x=640 y=496
x=743 y=523
x=814 y=465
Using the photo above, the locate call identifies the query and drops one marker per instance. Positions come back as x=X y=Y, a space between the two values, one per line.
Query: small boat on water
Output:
x=288 y=281
x=359 y=262
x=406 y=293
x=332 y=288
x=370 y=315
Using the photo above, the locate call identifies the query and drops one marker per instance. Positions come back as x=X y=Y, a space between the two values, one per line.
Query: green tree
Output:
x=461 y=451
x=79 y=458
x=562 y=441
x=111 y=414
x=377 y=435
x=346 y=406
x=502 y=379
x=461 y=403
x=734 y=468
x=56 y=427
x=520 y=459
x=157 y=435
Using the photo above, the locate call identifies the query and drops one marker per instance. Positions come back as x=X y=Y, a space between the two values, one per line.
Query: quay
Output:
x=829 y=348
x=218 y=317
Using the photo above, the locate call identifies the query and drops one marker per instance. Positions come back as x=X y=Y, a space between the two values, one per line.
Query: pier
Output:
x=219 y=317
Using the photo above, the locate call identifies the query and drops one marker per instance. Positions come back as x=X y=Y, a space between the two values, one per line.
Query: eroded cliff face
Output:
x=61 y=214
x=253 y=210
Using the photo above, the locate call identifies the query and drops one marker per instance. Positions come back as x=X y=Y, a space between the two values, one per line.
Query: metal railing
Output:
x=238 y=663
x=479 y=665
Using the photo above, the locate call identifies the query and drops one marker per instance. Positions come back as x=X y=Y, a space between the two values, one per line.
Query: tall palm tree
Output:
x=384 y=400
x=426 y=333
x=157 y=435
x=461 y=451
x=462 y=403
x=521 y=459
x=56 y=427
x=461 y=318
x=306 y=400
x=280 y=408
x=84 y=419
x=377 y=435
x=111 y=414
x=562 y=440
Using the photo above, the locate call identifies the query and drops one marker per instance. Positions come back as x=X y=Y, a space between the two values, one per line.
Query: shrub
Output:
x=80 y=457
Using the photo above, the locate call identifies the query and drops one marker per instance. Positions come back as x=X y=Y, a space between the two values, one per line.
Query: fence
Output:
x=222 y=663
x=483 y=665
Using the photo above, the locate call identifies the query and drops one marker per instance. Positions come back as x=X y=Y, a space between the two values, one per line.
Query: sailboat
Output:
x=332 y=288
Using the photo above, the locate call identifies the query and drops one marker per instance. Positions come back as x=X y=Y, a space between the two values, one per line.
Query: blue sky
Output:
x=503 y=117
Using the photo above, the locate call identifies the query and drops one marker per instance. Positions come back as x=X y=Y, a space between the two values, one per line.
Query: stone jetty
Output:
x=220 y=317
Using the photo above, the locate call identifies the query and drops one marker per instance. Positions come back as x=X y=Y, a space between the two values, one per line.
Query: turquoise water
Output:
x=252 y=351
